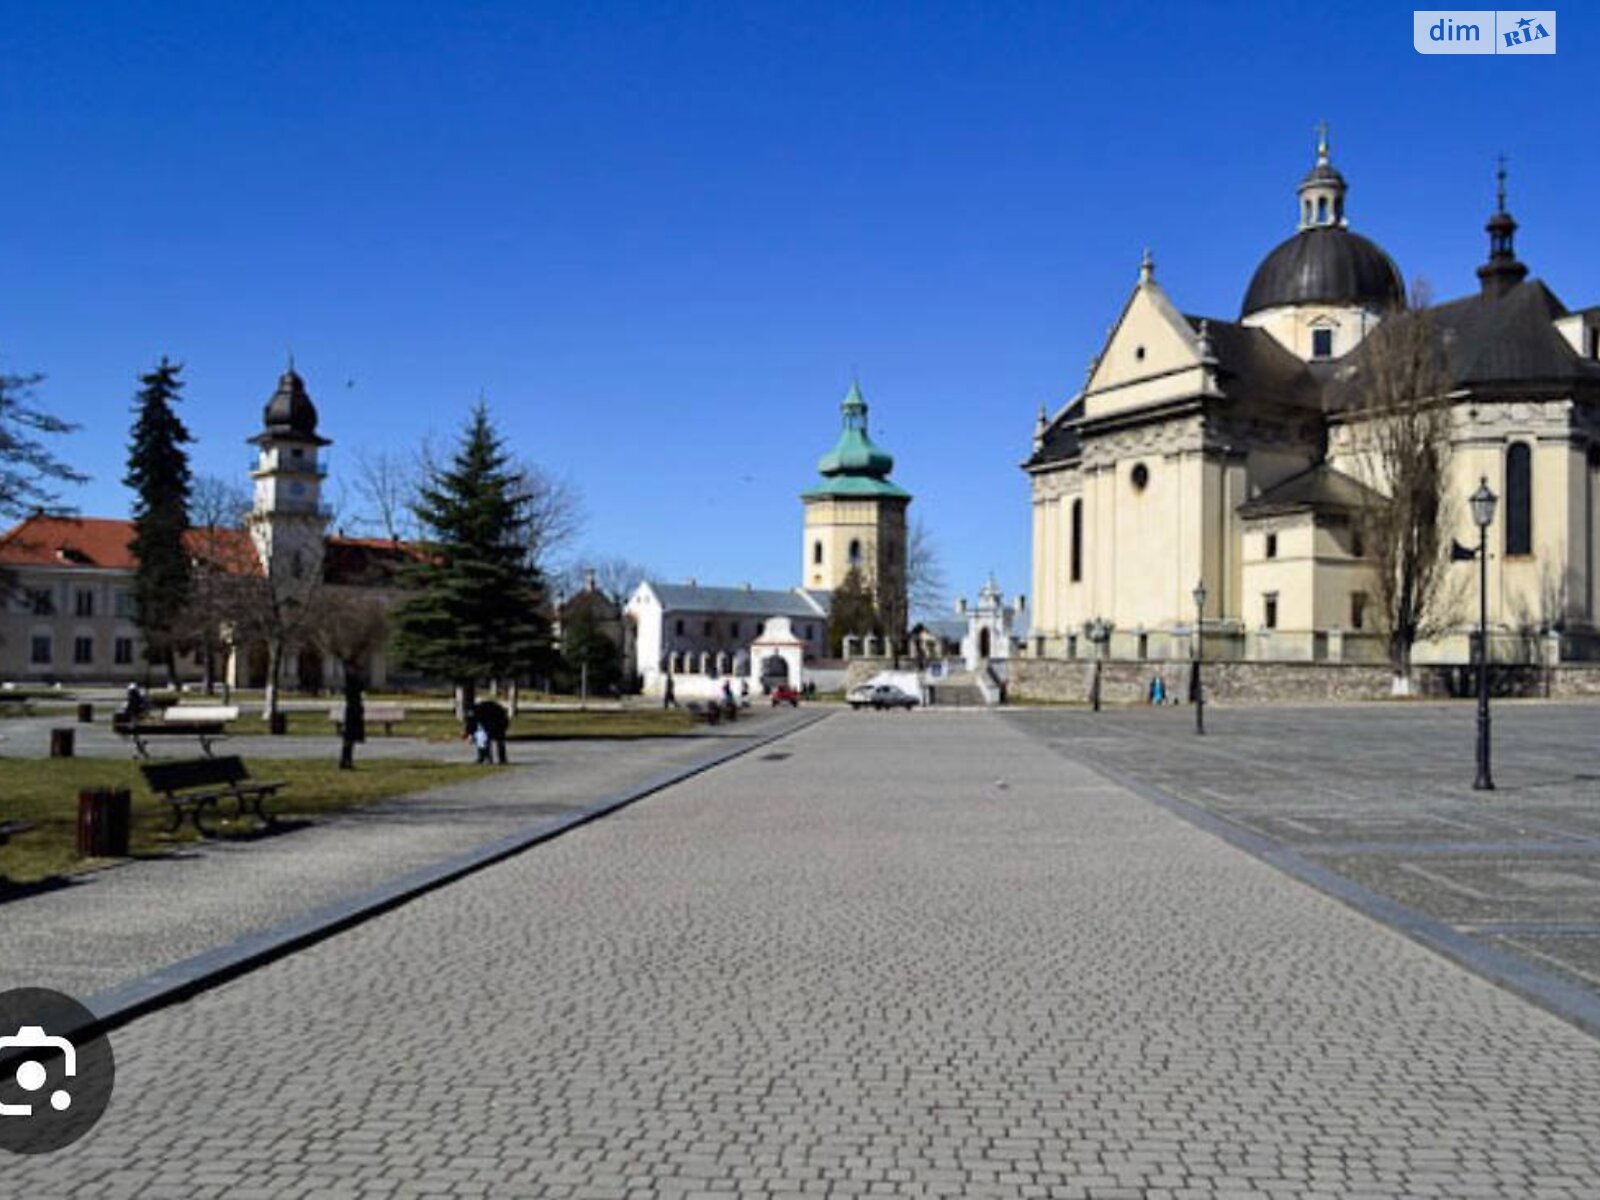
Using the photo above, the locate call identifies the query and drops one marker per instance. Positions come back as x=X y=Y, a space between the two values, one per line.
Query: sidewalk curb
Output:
x=126 y=1002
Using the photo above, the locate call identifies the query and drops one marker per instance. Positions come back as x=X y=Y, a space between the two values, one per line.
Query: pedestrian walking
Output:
x=669 y=695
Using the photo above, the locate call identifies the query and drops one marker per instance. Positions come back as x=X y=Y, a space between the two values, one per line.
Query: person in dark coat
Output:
x=669 y=697
x=353 y=728
x=492 y=718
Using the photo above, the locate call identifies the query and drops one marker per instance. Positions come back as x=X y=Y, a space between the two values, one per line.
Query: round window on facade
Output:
x=1140 y=475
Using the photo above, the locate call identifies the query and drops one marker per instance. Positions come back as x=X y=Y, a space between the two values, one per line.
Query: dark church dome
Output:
x=1326 y=264
x=290 y=410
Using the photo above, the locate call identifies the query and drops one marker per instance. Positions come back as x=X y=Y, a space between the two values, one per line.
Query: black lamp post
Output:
x=1482 y=503
x=1099 y=634
x=1199 y=656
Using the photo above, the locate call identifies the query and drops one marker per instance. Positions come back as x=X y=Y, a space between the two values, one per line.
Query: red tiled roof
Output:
x=102 y=543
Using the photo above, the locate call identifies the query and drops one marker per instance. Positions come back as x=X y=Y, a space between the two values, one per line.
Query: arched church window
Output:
x=1519 y=498
x=1076 y=550
x=1322 y=210
x=1308 y=212
x=816 y=553
x=855 y=553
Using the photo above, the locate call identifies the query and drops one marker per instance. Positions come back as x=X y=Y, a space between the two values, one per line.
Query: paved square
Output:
x=921 y=955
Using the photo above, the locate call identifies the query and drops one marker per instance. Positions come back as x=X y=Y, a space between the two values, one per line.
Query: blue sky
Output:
x=660 y=237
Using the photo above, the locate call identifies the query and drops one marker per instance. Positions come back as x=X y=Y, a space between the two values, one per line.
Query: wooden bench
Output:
x=711 y=714
x=387 y=715
x=197 y=784
x=208 y=722
x=10 y=829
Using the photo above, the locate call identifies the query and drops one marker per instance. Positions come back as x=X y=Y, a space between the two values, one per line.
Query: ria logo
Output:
x=1483 y=31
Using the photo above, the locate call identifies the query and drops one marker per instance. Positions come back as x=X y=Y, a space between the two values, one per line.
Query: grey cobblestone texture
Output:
x=1382 y=794
x=107 y=928
x=920 y=956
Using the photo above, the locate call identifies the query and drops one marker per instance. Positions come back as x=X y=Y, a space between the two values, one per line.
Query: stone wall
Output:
x=1128 y=682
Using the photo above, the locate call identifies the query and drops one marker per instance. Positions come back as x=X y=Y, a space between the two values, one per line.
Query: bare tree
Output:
x=555 y=514
x=218 y=510
x=614 y=575
x=1402 y=431
x=385 y=486
x=350 y=625
x=926 y=589
x=275 y=613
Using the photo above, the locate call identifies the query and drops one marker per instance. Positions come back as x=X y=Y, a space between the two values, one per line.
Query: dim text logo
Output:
x=1484 y=31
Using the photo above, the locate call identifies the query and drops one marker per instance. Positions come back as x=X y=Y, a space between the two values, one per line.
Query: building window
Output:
x=1358 y=610
x=1140 y=475
x=1322 y=343
x=1077 y=541
x=83 y=602
x=83 y=651
x=1272 y=545
x=816 y=554
x=733 y=629
x=1519 y=499
x=855 y=553
x=805 y=632
x=1322 y=210
x=707 y=628
x=678 y=627
x=1358 y=544
x=41 y=602
x=122 y=651
x=123 y=605
x=40 y=653
x=1269 y=610
x=1594 y=343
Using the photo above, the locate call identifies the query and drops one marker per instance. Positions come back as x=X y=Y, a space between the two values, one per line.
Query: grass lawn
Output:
x=45 y=793
x=439 y=725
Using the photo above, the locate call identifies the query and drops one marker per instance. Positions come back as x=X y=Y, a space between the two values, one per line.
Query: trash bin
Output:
x=85 y=713
x=278 y=724
x=105 y=819
x=61 y=741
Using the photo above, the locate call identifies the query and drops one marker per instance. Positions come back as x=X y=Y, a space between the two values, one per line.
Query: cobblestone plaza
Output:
x=936 y=954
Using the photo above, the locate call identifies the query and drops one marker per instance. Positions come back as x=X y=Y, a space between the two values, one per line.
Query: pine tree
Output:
x=852 y=612
x=158 y=473
x=476 y=610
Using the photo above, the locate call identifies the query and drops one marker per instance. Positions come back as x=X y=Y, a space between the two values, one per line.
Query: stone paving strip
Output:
x=109 y=928
x=889 y=955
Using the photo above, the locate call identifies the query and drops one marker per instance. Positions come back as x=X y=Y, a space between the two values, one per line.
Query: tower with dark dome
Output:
x=287 y=520
x=1322 y=290
x=855 y=516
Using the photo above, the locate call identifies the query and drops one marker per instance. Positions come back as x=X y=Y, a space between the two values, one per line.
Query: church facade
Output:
x=1230 y=454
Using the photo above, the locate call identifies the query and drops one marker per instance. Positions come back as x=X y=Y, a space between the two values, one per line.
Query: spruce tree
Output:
x=584 y=644
x=476 y=609
x=158 y=473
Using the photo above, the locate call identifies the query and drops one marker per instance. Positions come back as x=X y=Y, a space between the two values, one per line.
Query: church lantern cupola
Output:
x=1322 y=191
x=1503 y=271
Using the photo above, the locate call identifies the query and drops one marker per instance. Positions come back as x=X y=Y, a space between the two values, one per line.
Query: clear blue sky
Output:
x=659 y=237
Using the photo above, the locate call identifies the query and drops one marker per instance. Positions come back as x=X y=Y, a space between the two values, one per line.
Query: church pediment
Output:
x=1152 y=356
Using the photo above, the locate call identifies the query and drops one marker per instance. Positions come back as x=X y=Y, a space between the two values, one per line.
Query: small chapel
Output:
x=1220 y=457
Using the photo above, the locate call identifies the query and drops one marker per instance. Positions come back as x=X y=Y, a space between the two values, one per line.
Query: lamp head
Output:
x=1200 y=595
x=1482 y=503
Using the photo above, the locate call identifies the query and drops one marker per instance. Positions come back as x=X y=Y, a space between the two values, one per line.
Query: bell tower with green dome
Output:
x=856 y=517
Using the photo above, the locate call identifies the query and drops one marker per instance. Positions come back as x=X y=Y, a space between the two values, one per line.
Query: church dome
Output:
x=855 y=453
x=290 y=410
x=1326 y=264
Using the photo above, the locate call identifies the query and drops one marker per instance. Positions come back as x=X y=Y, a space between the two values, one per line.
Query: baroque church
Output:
x=1228 y=453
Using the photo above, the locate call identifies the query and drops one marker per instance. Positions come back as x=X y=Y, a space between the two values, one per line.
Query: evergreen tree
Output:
x=476 y=609
x=158 y=473
x=584 y=644
x=27 y=464
x=852 y=612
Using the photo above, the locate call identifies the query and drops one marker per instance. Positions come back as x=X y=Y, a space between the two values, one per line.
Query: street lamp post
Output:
x=1199 y=656
x=1099 y=634
x=1482 y=503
